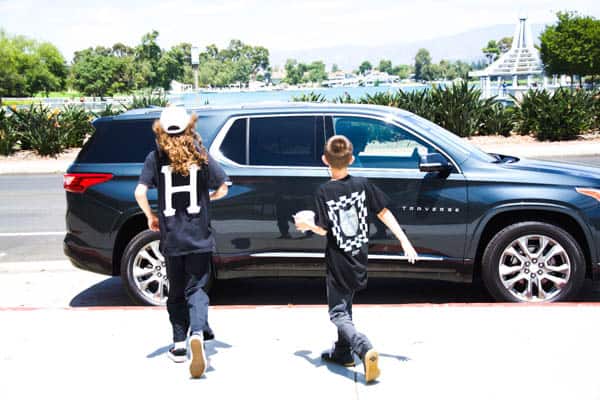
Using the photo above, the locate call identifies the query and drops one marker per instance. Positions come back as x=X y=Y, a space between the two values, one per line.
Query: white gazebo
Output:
x=522 y=60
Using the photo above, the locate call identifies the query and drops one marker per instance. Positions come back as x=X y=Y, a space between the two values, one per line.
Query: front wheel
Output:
x=533 y=262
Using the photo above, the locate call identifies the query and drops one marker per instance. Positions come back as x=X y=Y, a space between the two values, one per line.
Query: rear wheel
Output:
x=144 y=270
x=533 y=262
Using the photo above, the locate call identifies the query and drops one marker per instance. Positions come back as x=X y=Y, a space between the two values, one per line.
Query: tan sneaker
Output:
x=198 y=364
x=370 y=363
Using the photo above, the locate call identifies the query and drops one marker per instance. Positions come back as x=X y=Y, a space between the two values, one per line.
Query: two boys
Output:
x=343 y=205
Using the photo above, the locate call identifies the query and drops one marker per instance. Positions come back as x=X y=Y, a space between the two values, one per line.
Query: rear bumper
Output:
x=87 y=258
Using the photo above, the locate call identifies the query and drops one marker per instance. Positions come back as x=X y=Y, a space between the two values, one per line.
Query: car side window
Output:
x=119 y=142
x=378 y=144
x=234 y=144
x=286 y=141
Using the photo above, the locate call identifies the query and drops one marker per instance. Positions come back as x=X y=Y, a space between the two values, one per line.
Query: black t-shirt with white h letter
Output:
x=183 y=203
x=343 y=208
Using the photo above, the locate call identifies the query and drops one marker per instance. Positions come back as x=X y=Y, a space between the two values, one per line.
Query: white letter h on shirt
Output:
x=194 y=207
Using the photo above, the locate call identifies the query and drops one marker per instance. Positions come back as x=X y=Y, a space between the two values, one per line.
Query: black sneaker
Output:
x=208 y=334
x=178 y=355
x=340 y=357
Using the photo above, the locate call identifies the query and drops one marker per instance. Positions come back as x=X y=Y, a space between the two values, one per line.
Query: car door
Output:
x=430 y=207
x=274 y=163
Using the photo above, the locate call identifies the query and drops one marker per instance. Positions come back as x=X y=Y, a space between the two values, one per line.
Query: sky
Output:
x=277 y=25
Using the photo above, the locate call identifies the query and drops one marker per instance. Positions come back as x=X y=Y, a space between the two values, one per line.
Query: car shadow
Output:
x=311 y=291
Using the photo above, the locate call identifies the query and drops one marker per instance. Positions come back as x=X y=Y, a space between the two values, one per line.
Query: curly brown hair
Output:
x=184 y=149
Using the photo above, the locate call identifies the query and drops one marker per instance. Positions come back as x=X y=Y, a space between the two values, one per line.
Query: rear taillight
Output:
x=78 y=183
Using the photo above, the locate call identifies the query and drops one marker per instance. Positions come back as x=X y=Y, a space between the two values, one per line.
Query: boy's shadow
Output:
x=347 y=372
x=211 y=347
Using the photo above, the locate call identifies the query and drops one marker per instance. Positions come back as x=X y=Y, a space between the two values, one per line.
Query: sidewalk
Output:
x=37 y=165
x=426 y=352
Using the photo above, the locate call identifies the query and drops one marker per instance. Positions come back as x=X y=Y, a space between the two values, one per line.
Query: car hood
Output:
x=559 y=169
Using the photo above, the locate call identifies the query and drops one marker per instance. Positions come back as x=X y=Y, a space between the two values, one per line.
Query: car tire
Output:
x=533 y=262
x=143 y=270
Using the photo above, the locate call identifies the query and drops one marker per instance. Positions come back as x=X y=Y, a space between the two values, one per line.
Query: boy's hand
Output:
x=410 y=252
x=153 y=223
x=302 y=226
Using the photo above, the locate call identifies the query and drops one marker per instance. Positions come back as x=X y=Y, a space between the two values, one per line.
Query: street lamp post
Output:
x=195 y=64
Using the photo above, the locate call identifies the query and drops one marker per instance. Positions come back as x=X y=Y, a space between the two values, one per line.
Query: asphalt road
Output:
x=32 y=211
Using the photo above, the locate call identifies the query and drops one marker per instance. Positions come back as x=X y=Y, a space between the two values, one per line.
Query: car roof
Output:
x=268 y=108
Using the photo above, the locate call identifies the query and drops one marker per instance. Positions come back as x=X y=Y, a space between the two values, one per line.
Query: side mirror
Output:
x=434 y=162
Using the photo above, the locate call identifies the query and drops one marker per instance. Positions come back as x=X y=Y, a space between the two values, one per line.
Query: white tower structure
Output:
x=522 y=60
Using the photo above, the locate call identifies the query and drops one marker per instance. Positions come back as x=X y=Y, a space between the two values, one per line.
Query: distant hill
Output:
x=464 y=46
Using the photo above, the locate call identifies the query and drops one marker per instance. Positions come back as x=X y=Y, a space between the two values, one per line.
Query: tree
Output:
x=402 y=70
x=491 y=51
x=335 y=68
x=571 y=47
x=385 y=66
x=294 y=72
x=97 y=72
x=505 y=44
x=29 y=67
x=316 y=71
x=422 y=65
x=364 y=67
x=147 y=56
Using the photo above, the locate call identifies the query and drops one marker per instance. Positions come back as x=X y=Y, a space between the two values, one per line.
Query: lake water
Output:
x=237 y=97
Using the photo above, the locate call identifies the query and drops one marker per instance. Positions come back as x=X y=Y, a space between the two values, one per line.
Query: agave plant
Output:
x=497 y=120
x=39 y=129
x=8 y=135
x=75 y=125
x=459 y=108
x=561 y=115
x=380 y=98
x=147 y=100
x=417 y=101
x=311 y=97
x=109 y=111
x=344 y=99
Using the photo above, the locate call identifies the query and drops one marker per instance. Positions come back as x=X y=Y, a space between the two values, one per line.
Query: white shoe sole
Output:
x=177 y=359
x=198 y=364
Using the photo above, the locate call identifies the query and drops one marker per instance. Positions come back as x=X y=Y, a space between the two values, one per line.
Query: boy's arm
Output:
x=141 y=197
x=220 y=192
x=304 y=226
x=390 y=221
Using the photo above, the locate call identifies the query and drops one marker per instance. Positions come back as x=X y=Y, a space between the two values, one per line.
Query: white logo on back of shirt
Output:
x=194 y=207
x=349 y=217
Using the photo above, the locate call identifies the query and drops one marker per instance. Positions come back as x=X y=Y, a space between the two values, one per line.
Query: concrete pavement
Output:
x=427 y=352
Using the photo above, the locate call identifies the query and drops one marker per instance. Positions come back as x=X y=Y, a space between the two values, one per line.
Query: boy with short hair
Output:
x=343 y=204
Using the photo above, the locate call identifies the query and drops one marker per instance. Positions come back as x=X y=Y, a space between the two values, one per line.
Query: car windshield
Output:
x=447 y=139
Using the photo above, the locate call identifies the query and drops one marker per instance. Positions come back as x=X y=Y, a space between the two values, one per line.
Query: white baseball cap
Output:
x=174 y=120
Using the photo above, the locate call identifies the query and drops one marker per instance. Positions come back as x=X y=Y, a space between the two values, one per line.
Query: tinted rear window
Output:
x=119 y=142
x=290 y=141
x=234 y=144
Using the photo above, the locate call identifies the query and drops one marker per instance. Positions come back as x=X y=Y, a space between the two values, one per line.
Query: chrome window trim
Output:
x=216 y=153
x=297 y=254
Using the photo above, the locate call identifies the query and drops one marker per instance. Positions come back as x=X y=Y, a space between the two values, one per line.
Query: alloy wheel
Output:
x=149 y=273
x=534 y=268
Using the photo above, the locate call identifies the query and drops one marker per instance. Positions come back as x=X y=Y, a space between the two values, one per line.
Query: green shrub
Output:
x=344 y=99
x=497 y=120
x=563 y=115
x=311 y=97
x=459 y=108
x=417 y=102
x=8 y=136
x=109 y=111
x=39 y=128
x=75 y=125
x=147 y=100
x=380 y=98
